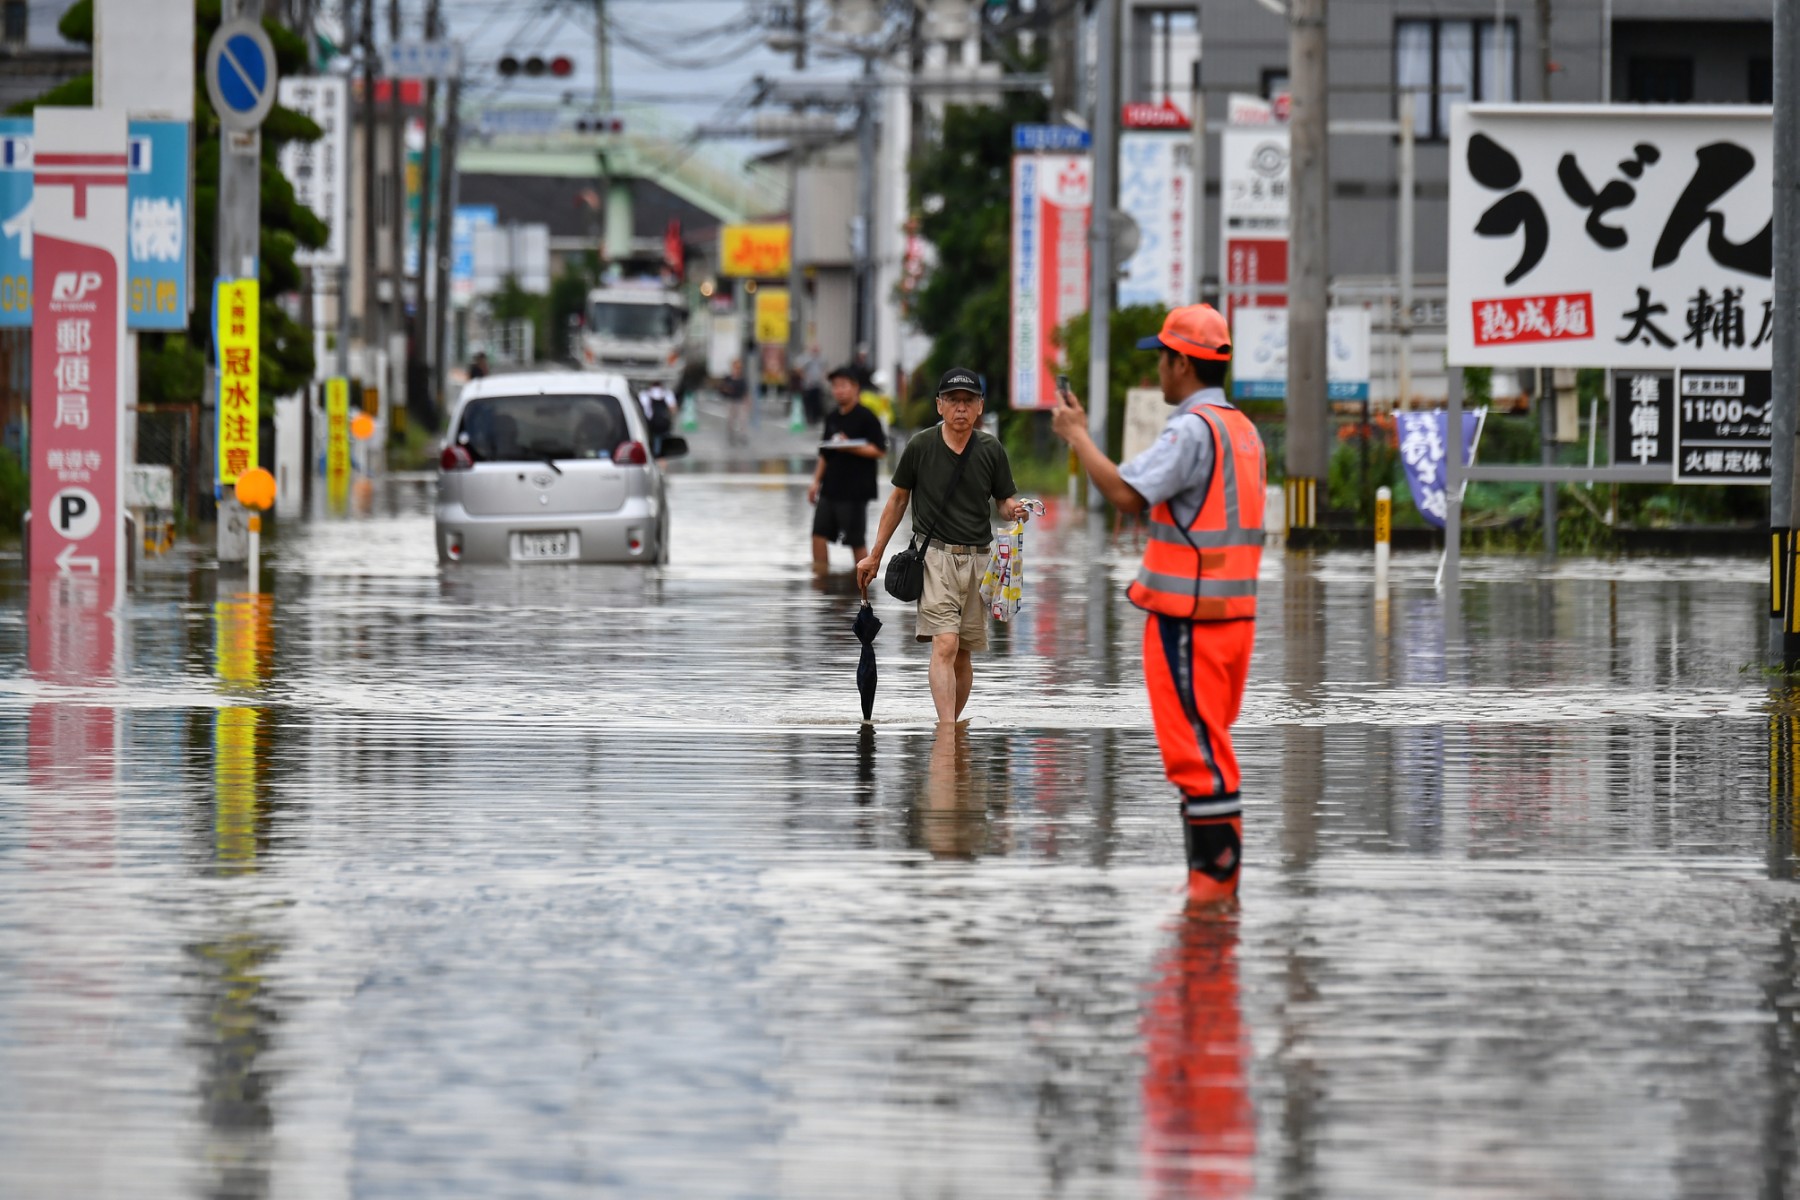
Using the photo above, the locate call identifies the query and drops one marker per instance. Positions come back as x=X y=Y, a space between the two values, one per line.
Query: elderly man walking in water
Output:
x=958 y=473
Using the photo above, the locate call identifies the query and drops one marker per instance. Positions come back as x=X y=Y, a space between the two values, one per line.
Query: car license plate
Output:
x=545 y=545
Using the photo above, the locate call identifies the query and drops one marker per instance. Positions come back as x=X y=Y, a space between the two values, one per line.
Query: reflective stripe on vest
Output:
x=1206 y=570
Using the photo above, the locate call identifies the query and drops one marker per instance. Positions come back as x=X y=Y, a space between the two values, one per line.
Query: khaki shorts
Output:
x=952 y=600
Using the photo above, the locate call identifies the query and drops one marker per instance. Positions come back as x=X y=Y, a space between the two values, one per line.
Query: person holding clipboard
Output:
x=851 y=443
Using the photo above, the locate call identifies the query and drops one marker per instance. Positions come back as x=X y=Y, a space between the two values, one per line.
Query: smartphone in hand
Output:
x=1062 y=387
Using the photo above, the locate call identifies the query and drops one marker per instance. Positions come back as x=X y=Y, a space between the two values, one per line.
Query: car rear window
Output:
x=533 y=428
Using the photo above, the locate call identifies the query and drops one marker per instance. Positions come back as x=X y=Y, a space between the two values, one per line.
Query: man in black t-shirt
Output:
x=851 y=443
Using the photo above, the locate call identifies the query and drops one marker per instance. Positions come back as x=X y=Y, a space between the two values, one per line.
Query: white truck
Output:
x=638 y=329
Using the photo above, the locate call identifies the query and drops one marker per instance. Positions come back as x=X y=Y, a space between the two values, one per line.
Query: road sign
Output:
x=337 y=442
x=237 y=325
x=78 y=294
x=156 y=190
x=1051 y=139
x=423 y=60
x=1724 y=426
x=240 y=75
x=320 y=171
x=469 y=218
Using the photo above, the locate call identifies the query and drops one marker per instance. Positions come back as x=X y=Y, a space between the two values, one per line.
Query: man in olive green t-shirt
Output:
x=952 y=616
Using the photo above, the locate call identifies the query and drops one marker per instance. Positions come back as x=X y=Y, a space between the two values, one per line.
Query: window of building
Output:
x=1762 y=81
x=12 y=22
x=1274 y=82
x=1659 y=79
x=1446 y=62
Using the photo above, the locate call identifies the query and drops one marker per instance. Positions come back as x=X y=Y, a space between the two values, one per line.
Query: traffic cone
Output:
x=796 y=416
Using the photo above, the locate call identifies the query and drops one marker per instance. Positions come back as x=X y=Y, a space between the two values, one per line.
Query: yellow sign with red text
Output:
x=236 y=329
x=772 y=316
x=754 y=251
x=337 y=442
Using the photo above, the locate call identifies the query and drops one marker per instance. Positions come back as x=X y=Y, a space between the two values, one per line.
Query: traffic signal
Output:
x=561 y=66
x=593 y=124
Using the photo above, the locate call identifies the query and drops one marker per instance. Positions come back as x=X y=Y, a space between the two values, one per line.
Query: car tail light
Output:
x=455 y=458
x=674 y=358
x=634 y=540
x=631 y=454
x=453 y=545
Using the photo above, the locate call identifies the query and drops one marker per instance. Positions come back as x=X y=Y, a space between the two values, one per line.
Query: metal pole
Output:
x=1494 y=93
x=446 y=215
x=1450 y=576
x=239 y=235
x=603 y=97
x=397 y=228
x=1784 y=649
x=371 y=321
x=1197 y=210
x=865 y=210
x=1100 y=281
x=796 y=327
x=1408 y=190
x=1606 y=11
x=1308 y=263
x=419 y=349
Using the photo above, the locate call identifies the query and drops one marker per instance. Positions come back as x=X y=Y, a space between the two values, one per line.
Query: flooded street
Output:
x=571 y=881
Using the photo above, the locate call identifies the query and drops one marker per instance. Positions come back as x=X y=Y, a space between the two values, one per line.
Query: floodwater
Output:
x=561 y=882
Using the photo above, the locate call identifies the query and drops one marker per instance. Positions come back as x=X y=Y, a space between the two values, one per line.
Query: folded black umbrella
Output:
x=866 y=626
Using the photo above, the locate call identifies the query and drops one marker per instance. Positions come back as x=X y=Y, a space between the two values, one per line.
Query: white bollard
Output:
x=1384 y=532
x=255 y=553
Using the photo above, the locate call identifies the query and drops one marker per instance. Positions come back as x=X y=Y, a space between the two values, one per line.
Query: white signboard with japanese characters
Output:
x=1156 y=182
x=1724 y=427
x=319 y=171
x=1622 y=236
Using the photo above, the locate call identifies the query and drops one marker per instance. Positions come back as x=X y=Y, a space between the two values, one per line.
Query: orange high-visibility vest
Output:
x=1206 y=571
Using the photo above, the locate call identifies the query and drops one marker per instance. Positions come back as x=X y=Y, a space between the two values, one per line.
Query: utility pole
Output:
x=865 y=209
x=371 y=273
x=799 y=35
x=603 y=96
x=1308 y=264
x=1546 y=375
x=446 y=214
x=397 y=229
x=1100 y=280
x=423 y=329
x=1784 y=512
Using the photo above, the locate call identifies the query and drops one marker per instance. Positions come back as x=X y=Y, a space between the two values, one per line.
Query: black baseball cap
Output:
x=845 y=372
x=961 y=379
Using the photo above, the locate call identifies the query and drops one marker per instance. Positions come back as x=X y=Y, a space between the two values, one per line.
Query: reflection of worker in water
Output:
x=1203 y=482
x=1199 y=1125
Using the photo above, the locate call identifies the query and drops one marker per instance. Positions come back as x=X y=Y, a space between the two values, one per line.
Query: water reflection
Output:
x=1199 y=1125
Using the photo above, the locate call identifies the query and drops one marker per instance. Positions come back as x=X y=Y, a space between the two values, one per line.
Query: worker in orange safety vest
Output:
x=1203 y=483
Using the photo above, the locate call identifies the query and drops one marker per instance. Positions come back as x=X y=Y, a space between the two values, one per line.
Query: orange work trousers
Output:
x=1195 y=672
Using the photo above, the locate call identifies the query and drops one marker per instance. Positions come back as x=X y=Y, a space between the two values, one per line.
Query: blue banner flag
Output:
x=1423 y=437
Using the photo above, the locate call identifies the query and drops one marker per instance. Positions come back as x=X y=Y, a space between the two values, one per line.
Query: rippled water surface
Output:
x=569 y=881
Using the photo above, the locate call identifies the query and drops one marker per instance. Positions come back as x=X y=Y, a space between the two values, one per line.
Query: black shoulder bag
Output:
x=905 y=580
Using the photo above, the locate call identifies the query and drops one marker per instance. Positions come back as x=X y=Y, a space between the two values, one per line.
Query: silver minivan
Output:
x=552 y=467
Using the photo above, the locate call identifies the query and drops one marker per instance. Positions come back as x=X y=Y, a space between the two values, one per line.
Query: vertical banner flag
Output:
x=1156 y=180
x=319 y=171
x=1253 y=213
x=78 y=294
x=157 y=209
x=1423 y=437
x=337 y=441
x=236 y=326
x=1051 y=202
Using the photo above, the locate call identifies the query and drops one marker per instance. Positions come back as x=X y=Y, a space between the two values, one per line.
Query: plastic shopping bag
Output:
x=1003 y=585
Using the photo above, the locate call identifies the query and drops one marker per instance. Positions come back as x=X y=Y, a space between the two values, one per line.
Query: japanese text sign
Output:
x=1424 y=441
x=78 y=260
x=1156 y=189
x=1610 y=236
x=1643 y=418
x=320 y=171
x=236 y=329
x=754 y=251
x=1259 y=346
x=337 y=442
x=772 y=316
x=1052 y=197
x=157 y=210
x=1724 y=427
x=1253 y=213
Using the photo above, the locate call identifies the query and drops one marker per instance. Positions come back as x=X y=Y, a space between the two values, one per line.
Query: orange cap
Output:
x=1196 y=330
